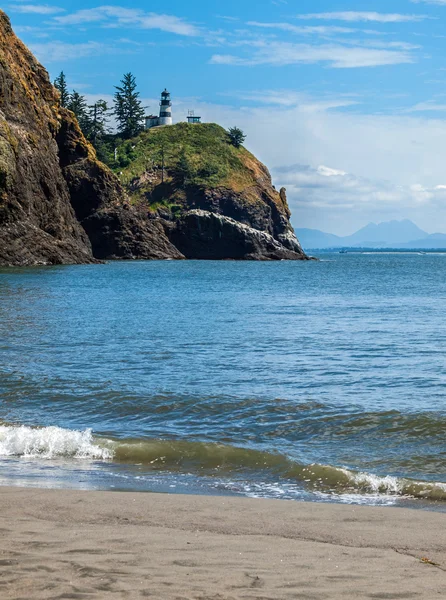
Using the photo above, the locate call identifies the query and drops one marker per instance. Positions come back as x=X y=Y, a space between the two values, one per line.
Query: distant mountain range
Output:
x=391 y=234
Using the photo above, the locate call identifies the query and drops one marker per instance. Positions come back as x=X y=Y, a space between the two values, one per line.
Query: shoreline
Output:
x=75 y=544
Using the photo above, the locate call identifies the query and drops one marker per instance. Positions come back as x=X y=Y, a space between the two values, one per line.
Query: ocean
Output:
x=320 y=381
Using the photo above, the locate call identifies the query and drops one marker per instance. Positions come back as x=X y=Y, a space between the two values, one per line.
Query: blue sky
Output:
x=345 y=101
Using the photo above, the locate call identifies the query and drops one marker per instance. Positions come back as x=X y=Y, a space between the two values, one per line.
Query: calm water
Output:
x=317 y=381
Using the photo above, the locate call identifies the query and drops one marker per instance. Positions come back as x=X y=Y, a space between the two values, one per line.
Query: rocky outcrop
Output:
x=128 y=235
x=206 y=235
x=60 y=205
x=233 y=212
x=256 y=210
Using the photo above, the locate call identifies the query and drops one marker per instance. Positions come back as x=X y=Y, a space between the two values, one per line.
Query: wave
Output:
x=50 y=443
x=217 y=416
x=206 y=459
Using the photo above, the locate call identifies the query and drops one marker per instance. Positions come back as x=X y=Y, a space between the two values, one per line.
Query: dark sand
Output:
x=67 y=544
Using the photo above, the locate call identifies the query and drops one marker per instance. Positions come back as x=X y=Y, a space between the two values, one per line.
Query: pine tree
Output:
x=98 y=120
x=60 y=83
x=128 y=108
x=236 y=137
x=78 y=104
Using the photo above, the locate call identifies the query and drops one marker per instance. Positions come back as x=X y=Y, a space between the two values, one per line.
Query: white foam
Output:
x=394 y=485
x=50 y=442
x=374 y=483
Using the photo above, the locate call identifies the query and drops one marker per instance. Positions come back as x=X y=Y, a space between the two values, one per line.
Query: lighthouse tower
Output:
x=165 y=109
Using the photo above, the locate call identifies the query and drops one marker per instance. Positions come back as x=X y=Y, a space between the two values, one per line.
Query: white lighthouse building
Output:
x=165 y=116
x=165 y=109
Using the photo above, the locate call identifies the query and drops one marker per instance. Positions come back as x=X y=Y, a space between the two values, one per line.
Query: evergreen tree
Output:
x=78 y=104
x=236 y=137
x=128 y=108
x=93 y=121
x=60 y=83
x=98 y=120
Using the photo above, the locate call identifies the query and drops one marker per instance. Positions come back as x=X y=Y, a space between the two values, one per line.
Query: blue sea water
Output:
x=310 y=381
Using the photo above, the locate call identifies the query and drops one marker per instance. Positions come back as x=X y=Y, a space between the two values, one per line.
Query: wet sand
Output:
x=68 y=544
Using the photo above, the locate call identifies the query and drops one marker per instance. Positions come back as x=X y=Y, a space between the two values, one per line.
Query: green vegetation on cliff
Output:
x=185 y=156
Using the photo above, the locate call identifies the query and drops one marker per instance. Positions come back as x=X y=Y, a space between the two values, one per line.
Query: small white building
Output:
x=165 y=116
x=152 y=121
x=192 y=117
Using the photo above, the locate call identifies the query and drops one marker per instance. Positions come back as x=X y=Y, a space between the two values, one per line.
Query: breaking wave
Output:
x=202 y=458
x=50 y=443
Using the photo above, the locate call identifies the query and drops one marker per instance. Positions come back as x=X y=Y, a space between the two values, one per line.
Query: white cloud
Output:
x=323 y=196
x=305 y=29
x=427 y=107
x=335 y=55
x=34 y=31
x=329 y=172
x=226 y=18
x=113 y=16
x=36 y=9
x=304 y=102
x=355 y=16
x=388 y=45
x=328 y=187
x=60 y=51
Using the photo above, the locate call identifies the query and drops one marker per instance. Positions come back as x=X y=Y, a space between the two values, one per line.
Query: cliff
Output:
x=58 y=203
x=181 y=191
x=37 y=222
x=215 y=200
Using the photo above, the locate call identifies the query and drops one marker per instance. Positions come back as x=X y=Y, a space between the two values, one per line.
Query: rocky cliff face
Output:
x=60 y=205
x=220 y=223
x=252 y=223
x=37 y=222
x=115 y=229
x=208 y=235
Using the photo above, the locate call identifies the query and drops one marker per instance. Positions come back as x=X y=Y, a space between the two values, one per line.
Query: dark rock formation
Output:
x=206 y=235
x=58 y=204
x=251 y=225
x=37 y=222
x=115 y=229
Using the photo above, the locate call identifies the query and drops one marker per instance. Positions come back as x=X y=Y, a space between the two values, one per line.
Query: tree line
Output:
x=94 y=118
x=127 y=110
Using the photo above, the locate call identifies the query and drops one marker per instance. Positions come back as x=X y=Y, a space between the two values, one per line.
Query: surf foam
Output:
x=50 y=442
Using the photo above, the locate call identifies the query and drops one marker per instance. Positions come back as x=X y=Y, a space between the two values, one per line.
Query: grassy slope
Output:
x=211 y=161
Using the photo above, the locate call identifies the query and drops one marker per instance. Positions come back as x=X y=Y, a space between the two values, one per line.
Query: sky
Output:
x=344 y=101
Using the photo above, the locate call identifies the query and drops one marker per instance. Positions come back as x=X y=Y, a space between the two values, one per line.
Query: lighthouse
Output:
x=165 y=109
x=165 y=117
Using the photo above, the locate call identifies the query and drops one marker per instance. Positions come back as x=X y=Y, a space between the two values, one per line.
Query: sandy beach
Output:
x=68 y=544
